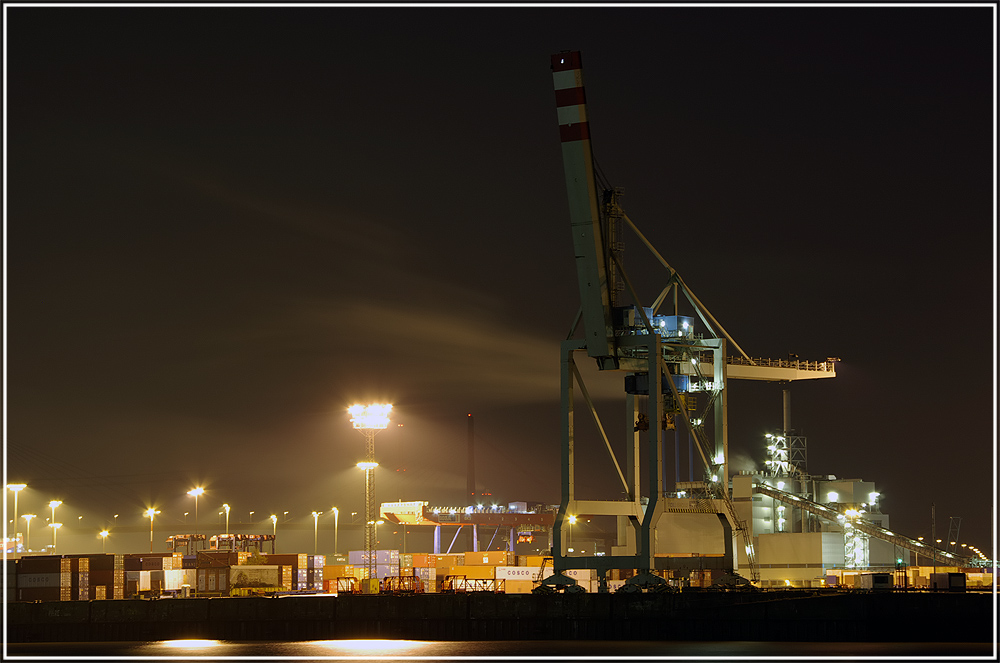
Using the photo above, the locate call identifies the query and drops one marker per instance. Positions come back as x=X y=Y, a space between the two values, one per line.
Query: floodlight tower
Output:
x=369 y=420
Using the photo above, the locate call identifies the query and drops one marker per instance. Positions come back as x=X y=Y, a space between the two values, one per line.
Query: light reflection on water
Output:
x=194 y=650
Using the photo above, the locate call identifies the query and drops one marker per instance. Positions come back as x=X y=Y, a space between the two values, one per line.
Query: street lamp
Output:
x=52 y=505
x=27 y=533
x=15 y=488
x=274 y=525
x=336 y=520
x=55 y=528
x=104 y=539
x=195 y=492
x=226 y=507
x=150 y=513
x=316 y=530
x=251 y=517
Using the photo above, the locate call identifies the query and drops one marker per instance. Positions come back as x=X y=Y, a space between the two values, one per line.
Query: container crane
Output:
x=682 y=374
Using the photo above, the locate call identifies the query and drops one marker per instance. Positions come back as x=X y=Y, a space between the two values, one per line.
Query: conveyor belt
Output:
x=861 y=525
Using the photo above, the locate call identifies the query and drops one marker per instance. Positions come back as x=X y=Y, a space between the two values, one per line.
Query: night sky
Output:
x=226 y=225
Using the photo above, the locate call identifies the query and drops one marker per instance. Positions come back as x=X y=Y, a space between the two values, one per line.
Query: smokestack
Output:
x=786 y=399
x=470 y=490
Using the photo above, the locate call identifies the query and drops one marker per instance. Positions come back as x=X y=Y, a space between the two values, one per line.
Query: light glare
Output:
x=374 y=416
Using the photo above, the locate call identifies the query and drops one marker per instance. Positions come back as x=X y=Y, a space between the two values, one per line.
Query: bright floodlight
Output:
x=374 y=416
x=367 y=466
x=195 y=492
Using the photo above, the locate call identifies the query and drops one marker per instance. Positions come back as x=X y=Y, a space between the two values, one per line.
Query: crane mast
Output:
x=584 y=209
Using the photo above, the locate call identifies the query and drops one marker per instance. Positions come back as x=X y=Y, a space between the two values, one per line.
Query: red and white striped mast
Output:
x=581 y=188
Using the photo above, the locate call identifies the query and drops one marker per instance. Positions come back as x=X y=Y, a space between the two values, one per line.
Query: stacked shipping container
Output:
x=70 y=577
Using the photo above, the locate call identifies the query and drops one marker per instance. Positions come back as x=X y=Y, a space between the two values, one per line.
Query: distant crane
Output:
x=677 y=374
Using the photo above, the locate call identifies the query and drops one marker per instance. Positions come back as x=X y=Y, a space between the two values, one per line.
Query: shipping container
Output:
x=10 y=579
x=255 y=576
x=358 y=557
x=515 y=573
x=534 y=560
x=214 y=559
x=39 y=564
x=38 y=580
x=518 y=586
x=948 y=582
x=476 y=572
x=213 y=581
x=449 y=560
x=423 y=560
x=385 y=570
x=39 y=594
x=338 y=571
x=874 y=581
x=490 y=558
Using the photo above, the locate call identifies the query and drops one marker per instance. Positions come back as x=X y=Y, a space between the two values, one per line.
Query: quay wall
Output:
x=716 y=616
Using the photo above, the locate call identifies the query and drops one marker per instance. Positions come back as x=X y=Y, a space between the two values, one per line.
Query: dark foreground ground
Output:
x=709 y=617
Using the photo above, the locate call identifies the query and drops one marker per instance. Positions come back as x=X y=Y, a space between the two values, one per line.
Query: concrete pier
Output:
x=717 y=616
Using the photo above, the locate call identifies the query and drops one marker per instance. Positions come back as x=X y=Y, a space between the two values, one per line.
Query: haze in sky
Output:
x=226 y=225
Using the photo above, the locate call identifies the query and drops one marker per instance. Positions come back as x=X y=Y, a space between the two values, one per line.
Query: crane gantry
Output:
x=675 y=376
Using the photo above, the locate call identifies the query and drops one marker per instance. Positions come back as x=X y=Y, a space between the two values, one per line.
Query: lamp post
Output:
x=194 y=492
x=226 y=508
x=369 y=420
x=336 y=527
x=27 y=533
x=55 y=528
x=52 y=505
x=316 y=530
x=251 y=518
x=104 y=539
x=150 y=513
x=274 y=525
x=15 y=488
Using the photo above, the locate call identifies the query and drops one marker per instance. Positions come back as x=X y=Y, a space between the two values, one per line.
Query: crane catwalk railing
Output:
x=868 y=528
x=783 y=363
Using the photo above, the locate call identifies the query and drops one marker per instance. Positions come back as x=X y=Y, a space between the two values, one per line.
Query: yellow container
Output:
x=490 y=558
x=518 y=586
x=470 y=572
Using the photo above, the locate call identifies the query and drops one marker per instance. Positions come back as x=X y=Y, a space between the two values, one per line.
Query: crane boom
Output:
x=585 y=220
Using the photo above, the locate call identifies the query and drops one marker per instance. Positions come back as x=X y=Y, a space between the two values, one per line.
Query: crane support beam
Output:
x=585 y=220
